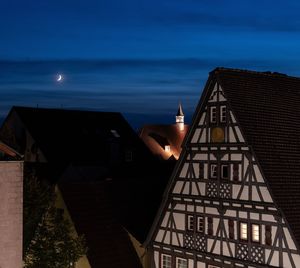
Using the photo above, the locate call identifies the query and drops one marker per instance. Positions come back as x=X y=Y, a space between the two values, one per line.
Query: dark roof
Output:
x=90 y=207
x=267 y=106
x=78 y=136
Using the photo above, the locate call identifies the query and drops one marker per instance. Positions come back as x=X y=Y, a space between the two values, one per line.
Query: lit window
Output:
x=224 y=172
x=166 y=261
x=190 y=222
x=223 y=114
x=200 y=224
x=167 y=148
x=255 y=233
x=213 y=114
x=244 y=231
x=181 y=263
x=213 y=171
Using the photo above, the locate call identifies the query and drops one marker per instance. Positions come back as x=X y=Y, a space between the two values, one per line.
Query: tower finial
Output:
x=180 y=117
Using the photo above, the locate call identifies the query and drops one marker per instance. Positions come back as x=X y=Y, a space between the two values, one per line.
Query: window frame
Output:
x=223 y=116
x=228 y=172
x=190 y=216
x=211 y=171
x=252 y=233
x=240 y=231
x=162 y=261
x=202 y=231
x=213 y=114
x=181 y=259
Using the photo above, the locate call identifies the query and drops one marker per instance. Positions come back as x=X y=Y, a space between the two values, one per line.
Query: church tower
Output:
x=180 y=118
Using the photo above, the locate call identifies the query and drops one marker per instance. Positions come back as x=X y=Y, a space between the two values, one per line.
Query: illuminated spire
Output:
x=180 y=117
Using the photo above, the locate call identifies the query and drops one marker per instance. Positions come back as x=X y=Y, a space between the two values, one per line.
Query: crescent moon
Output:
x=59 y=78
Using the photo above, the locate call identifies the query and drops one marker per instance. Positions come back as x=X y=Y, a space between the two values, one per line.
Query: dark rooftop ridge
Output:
x=243 y=71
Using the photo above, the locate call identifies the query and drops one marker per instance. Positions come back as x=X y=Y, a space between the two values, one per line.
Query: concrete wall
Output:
x=11 y=214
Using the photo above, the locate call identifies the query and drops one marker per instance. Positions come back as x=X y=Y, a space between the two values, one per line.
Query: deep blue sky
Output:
x=134 y=56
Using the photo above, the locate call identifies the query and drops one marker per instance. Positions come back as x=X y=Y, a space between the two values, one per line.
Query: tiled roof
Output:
x=267 y=106
x=156 y=136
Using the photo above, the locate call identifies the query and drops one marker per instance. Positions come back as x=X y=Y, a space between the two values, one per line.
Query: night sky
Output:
x=134 y=56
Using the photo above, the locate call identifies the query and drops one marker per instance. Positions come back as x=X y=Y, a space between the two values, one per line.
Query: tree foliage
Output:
x=49 y=238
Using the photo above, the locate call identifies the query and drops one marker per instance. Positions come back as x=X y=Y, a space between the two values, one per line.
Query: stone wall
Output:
x=11 y=214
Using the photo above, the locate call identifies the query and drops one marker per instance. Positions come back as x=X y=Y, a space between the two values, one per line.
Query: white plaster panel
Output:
x=186 y=189
x=156 y=259
x=167 y=238
x=179 y=220
x=230 y=213
x=194 y=189
x=195 y=137
x=296 y=259
x=190 y=208
x=202 y=188
x=212 y=157
x=196 y=169
x=180 y=207
x=202 y=119
x=258 y=174
x=236 y=157
x=178 y=187
x=203 y=137
x=175 y=241
x=232 y=117
x=205 y=171
x=226 y=251
x=286 y=260
x=254 y=216
x=199 y=209
x=211 y=210
x=239 y=134
x=200 y=157
x=275 y=259
x=184 y=170
x=231 y=135
x=289 y=239
x=266 y=217
x=245 y=193
x=235 y=190
x=201 y=264
x=242 y=214
x=225 y=157
x=165 y=220
x=159 y=236
x=255 y=196
x=266 y=195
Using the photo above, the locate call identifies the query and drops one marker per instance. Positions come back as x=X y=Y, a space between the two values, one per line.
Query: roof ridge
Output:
x=265 y=73
x=62 y=109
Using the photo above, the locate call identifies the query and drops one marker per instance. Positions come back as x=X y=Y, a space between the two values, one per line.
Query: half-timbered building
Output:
x=234 y=197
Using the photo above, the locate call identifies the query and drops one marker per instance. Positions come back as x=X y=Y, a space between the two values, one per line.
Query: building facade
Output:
x=232 y=200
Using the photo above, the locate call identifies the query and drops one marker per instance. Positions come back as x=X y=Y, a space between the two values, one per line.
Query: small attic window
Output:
x=167 y=148
x=115 y=133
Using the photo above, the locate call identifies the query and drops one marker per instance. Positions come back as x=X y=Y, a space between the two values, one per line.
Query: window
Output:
x=243 y=231
x=268 y=234
x=223 y=114
x=213 y=114
x=231 y=229
x=181 y=263
x=210 y=227
x=255 y=233
x=167 y=148
x=213 y=171
x=190 y=222
x=128 y=156
x=115 y=133
x=166 y=261
x=200 y=224
x=235 y=173
x=225 y=172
